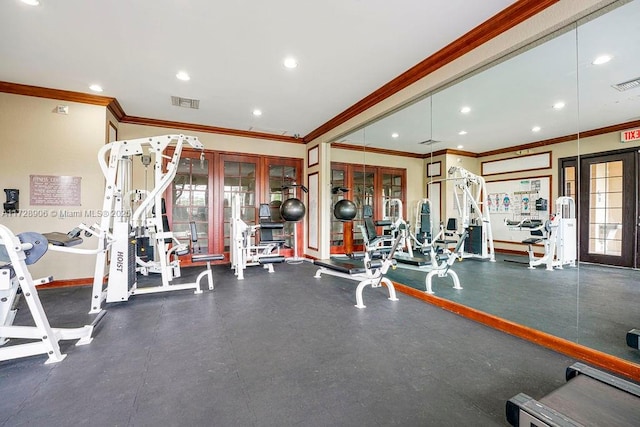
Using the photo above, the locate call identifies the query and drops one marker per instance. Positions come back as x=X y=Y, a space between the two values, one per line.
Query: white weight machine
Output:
x=16 y=253
x=558 y=234
x=123 y=225
x=248 y=246
x=470 y=197
x=423 y=227
x=370 y=272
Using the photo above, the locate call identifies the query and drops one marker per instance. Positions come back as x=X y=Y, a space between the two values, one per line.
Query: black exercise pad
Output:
x=416 y=261
x=348 y=267
x=271 y=259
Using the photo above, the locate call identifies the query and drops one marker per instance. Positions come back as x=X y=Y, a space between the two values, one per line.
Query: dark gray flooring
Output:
x=280 y=349
x=592 y=305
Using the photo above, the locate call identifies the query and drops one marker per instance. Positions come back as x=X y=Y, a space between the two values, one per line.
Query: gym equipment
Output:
x=12 y=205
x=422 y=237
x=633 y=338
x=16 y=253
x=373 y=241
x=344 y=210
x=444 y=262
x=128 y=230
x=371 y=269
x=248 y=248
x=208 y=273
x=370 y=272
x=292 y=210
x=558 y=234
x=470 y=198
x=590 y=397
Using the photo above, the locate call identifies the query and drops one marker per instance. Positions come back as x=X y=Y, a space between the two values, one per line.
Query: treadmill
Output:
x=589 y=398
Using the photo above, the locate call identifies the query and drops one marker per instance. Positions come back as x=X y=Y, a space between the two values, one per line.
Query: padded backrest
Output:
x=424 y=232
x=264 y=212
x=537 y=233
x=370 y=228
x=264 y=215
x=452 y=224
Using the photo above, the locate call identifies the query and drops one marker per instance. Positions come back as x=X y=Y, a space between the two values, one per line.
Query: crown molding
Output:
x=209 y=129
x=63 y=95
x=375 y=150
x=498 y=24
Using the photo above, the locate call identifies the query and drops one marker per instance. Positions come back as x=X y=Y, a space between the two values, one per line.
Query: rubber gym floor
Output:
x=282 y=349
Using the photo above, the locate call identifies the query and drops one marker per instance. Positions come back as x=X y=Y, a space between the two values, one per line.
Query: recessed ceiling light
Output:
x=290 y=62
x=31 y=2
x=558 y=105
x=257 y=112
x=465 y=110
x=602 y=59
x=460 y=147
x=394 y=135
x=183 y=75
x=96 y=88
x=536 y=129
x=462 y=132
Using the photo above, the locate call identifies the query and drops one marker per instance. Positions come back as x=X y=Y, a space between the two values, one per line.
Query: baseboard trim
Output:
x=67 y=283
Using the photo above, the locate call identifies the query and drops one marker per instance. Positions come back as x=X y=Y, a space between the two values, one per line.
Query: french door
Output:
x=608 y=209
x=206 y=184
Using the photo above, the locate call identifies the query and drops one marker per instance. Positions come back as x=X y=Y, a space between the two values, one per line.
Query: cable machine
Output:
x=122 y=226
x=470 y=196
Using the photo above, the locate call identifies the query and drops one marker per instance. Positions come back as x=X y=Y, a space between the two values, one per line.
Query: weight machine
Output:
x=558 y=234
x=253 y=244
x=16 y=253
x=470 y=195
x=370 y=272
x=127 y=228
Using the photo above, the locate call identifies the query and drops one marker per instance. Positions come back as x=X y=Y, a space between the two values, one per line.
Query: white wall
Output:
x=37 y=141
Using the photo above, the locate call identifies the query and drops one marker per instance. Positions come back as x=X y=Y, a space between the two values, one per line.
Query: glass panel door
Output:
x=341 y=232
x=190 y=201
x=392 y=188
x=607 y=209
x=281 y=181
x=363 y=190
x=239 y=182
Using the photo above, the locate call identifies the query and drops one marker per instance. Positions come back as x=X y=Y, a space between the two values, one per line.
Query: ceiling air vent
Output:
x=185 y=102
x=429 y=142
x=627 y=85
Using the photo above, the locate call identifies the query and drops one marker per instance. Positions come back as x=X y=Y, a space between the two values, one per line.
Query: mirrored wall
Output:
x=541 y=129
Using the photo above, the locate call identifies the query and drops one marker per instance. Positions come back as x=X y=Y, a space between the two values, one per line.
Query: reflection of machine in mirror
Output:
x=557 y=234
x=470 y=199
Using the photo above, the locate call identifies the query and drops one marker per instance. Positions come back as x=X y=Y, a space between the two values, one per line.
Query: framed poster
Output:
x=434 y=169
x=515 y=200
x=313 y=156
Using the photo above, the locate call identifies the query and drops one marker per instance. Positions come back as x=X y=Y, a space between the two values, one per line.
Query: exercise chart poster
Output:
x=515 y=200
x=52 y=190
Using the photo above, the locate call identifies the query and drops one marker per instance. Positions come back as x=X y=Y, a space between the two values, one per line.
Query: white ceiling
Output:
x=508 y=99
x=233 y=51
